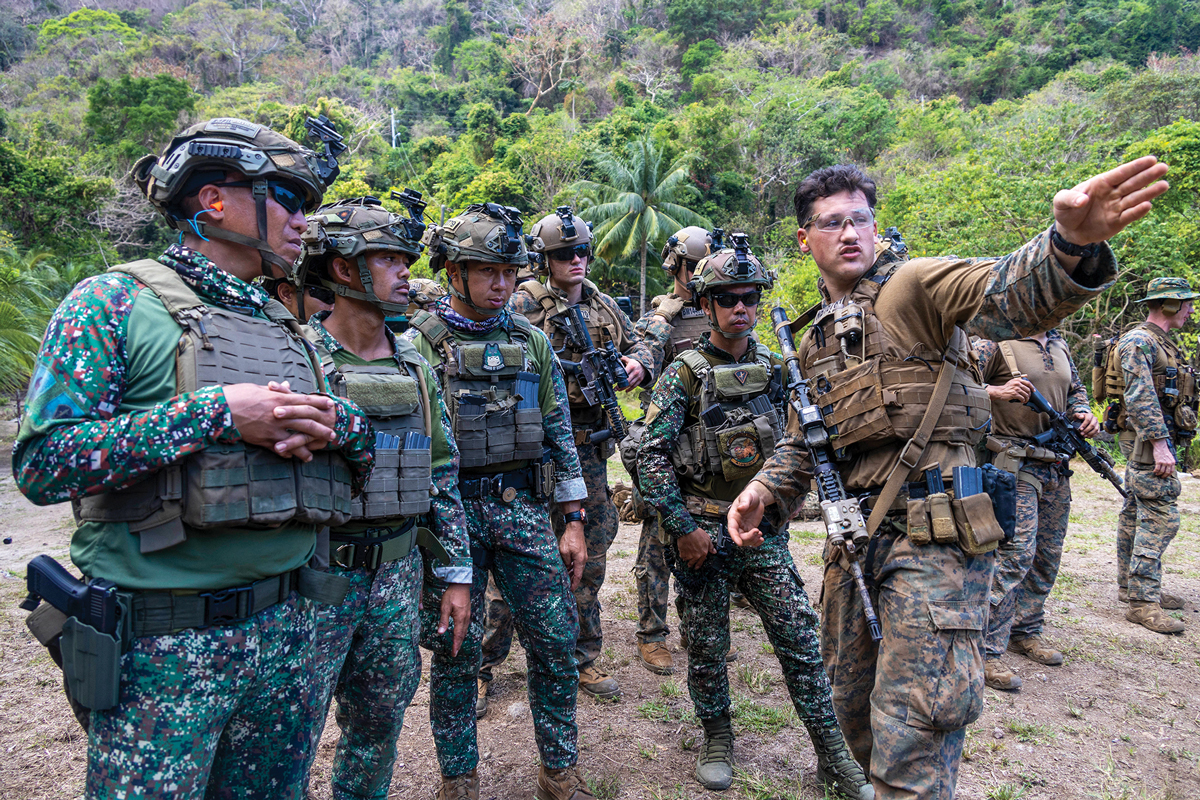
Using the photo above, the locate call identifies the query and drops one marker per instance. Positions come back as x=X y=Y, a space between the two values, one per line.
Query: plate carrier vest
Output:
x=394 y=400
x=688 y=324
x=745 y=438
x=1178 y=408
x=879 y=394
x=479 y=385
x=227 y=485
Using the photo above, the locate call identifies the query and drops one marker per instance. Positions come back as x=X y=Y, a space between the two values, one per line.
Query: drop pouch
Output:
x=978 y=530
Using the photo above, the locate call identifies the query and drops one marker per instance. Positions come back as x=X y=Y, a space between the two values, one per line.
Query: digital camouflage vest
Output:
x=1174 y=383
x=227 y=485
x=872 y=392
x=494 y=424
x=739 y=425
x=601 y=325
x=394 y=399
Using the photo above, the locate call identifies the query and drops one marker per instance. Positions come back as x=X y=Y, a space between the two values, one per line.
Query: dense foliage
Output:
x=970 y=115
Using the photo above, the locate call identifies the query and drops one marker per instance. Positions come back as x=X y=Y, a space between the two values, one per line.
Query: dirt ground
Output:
x=1121 y=719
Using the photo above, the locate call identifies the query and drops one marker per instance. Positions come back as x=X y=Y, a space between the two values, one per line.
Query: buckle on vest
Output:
x=226 y=605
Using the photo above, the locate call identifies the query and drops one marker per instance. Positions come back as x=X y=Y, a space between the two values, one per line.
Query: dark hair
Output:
x=829 y=181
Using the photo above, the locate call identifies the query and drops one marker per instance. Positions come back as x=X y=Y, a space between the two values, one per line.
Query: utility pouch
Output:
x=740 y=452
x=1185 y=418
x=918 y=522
x=91 y=664
x=978 y=530
x=941 y=519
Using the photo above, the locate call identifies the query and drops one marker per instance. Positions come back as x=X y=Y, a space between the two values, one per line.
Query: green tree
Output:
x=86 y=24
x=136 y=114
x=637 y=201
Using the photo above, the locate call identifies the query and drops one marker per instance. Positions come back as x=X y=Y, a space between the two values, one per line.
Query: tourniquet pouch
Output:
x=918 y=522
x=978 y=530
x=91 y=665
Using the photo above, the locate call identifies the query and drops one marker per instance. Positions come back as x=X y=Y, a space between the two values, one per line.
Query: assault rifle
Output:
x=597 y=371
x=840 y=512
x=1064 y=436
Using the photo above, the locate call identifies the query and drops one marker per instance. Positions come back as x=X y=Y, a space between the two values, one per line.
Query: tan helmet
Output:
x=732 y=266
x=423 y=292
x=351 y=229
x=557 y=231
x=487 y=232
x=691 y=243
x=271 y=162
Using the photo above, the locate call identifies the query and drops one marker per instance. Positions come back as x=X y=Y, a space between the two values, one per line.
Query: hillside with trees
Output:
x=640 y=113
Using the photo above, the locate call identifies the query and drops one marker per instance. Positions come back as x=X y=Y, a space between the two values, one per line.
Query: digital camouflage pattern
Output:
x=225 y=711
x=368 y=659
x=1149 y=517
x=1027 y=567
x=516 y=543
x=766 y=575
x=907 y=728
x=598 y=533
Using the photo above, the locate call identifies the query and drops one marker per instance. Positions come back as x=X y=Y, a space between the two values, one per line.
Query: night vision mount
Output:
x=511 y=218
x=740 y=243
x=414 y=225
x=321 y=130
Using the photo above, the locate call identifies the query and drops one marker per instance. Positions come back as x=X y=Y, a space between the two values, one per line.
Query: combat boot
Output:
x=714 y=765
x=599 y=685
x=836 y=768
x=1033 y=648
x=460 y=787
x=998 y=676
x=481 y=700
x=1151 y=616
x=1168 y=602
x=562 y=784
x=656 y=657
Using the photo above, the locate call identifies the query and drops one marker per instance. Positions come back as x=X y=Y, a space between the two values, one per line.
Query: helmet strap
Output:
x=712 y=322
x=465 y=294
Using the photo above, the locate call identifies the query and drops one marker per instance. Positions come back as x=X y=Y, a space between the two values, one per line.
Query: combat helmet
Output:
x=270 y=161
x=351 y=229
x=731 y=266
x=557 y=231
x=691 y=243
x=487 y=232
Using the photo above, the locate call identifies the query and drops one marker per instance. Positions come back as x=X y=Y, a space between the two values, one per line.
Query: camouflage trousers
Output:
x=653 y=584
x=908 y=727
x=367 y=657
x=219 y=712
x=599 y=533
x=768 y=578
x=1027 y=567
x=1148 y=522
x=515 y=542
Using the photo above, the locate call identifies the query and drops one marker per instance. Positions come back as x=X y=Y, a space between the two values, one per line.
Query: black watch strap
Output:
x=573 y=516
x=1078 y=251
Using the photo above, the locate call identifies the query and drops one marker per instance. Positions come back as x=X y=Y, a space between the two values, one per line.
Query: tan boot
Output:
x=481 y=700
x=656 y=657
x=1170 y=602
x=1033 y=648
x=998 y=676
x=460 y=787
x=598 y=684
x=1122 y=594
x=740 y=600
x=1151 y=616
x=562 y=784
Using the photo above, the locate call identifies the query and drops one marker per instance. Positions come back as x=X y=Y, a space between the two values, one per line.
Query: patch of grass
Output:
x=670 y=688
x=1005 y=791
x=606 y=788
x=814 y=560
x=762 y=719
x=767 y=648
x=661 y=711
x=756 y=786
x=759 y=681
x=621 y=553
x=1030 y=732
x=805 y=535
x=648 y=752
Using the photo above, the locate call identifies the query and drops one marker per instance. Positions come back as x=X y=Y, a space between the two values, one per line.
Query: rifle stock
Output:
x=843 y=518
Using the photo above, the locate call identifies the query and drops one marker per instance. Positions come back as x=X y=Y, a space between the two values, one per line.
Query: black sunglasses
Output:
x=320 y=294
x=567 y=253
x=284 y=194
x=729 y=299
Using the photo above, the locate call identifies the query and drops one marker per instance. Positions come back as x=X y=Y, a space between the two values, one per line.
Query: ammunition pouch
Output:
x=977 y=522
x=699 y=506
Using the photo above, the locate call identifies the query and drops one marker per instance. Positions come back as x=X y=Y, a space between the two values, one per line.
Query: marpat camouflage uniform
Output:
x=932 y=600
x=1027 y=566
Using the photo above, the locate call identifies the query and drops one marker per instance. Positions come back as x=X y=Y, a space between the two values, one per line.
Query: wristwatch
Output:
x=575 y=516
x=1078 y=251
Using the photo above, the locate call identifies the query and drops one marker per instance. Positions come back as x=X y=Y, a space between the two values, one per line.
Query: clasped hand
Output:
x=287 y=423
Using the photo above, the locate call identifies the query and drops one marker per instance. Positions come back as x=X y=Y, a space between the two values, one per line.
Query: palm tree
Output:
x=637 y=203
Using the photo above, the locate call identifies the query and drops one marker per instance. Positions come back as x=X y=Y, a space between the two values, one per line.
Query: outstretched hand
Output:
x=746 y=513
x=1103 y=205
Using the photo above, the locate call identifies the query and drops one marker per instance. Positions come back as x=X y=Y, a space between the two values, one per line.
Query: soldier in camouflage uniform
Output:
x=671 y=326
x=714 y=417
x=160 y=368
x=565 y=242
x=1027 y=566
x=367 y=653
x=316 y=297
x=507 y=401
x=900 y=325
x=1155 y=414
